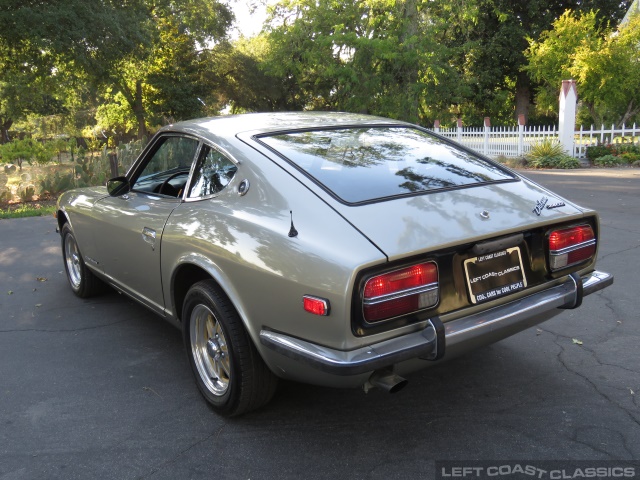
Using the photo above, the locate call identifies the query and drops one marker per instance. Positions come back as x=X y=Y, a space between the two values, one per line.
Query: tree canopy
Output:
x=604 y=62
x=136 y=64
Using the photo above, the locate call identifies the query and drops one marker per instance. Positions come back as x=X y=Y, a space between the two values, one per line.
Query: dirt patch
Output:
x=37 y=204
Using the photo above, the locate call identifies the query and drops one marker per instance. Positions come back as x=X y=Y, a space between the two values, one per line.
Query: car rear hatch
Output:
x=487 y=242
x=458 y=229
x=409 y=226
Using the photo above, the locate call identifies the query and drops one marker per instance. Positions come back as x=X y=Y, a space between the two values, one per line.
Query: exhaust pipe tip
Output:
x=387 y=381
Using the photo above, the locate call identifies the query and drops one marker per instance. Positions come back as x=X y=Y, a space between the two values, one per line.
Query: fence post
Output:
x=436 y=126
x=459 y=131
x=113 y=163
x=567 y=120
x=521 y=122
x=487 y=130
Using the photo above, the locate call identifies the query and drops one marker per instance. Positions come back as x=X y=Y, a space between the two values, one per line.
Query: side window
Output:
x=213 y=173
x=167 y=170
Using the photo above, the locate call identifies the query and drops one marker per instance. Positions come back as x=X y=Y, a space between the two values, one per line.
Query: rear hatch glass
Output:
x=368 y=164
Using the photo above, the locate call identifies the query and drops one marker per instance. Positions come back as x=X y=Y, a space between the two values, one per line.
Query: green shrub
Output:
x=550 y=154
x=27 y=150
x=617 y=149
x=608 y=161
x=630 y=157
x=597 y=151
x=43 y=153
x=620 y=148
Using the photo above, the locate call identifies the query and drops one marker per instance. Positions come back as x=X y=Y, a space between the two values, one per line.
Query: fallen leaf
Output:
x=576 y=341
x=41 y=279
x=38 y=305
x=619 y=322
x=9 y=292
x=538 y=331
x=632 y=392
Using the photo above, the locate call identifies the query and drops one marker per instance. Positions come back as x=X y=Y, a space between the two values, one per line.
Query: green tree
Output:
x=375 y=56
x=46 y=46
x=604 y=63
x=27 y=150
x=487 y=40
x=121 y=46
x=238 y=76
x=165 y=78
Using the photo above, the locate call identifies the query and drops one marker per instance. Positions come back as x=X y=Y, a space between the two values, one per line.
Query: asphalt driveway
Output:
x=101 y=388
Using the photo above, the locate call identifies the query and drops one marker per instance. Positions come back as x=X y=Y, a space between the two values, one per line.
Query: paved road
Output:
x=101 y=388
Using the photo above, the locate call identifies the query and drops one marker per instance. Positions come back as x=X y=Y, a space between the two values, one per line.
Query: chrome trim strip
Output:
x=403 y=293
x=577 y=246
x=487 y=323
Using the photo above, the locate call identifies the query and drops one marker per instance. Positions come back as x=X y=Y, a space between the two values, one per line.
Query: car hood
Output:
x=412 y=225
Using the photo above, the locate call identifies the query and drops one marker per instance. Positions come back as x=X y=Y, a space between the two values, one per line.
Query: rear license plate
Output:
x=494 y=275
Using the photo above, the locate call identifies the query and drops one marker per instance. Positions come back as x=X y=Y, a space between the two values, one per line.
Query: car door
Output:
x=129 y=234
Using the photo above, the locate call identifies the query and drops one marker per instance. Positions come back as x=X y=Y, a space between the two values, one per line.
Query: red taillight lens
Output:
x=569 y=237
x=400 y=292
x=570 y=246
x=411 y=277
x=315 y=305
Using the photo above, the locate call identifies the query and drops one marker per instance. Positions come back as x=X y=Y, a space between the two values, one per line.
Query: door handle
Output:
x=149 y=236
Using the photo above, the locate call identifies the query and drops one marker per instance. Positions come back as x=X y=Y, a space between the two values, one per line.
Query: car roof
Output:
x=260 y=123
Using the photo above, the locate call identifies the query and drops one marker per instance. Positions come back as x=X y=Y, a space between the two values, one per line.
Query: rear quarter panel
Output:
x=244 y=243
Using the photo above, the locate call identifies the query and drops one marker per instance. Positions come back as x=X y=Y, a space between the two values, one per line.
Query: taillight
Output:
x=570 y=246
x=400 y=292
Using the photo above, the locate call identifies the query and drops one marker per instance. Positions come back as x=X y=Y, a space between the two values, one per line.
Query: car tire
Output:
x=82 y=281
x=228 y=369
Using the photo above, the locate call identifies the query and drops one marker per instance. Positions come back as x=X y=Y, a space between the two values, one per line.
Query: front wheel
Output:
x=82 y=281
x=228 y=370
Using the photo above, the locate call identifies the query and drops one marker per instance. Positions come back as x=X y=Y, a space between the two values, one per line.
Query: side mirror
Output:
x=118 y=186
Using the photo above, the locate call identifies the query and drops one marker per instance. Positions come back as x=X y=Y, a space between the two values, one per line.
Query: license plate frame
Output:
x=494 y=275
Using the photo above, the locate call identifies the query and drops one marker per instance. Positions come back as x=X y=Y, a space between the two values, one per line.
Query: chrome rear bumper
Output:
x=454 y=336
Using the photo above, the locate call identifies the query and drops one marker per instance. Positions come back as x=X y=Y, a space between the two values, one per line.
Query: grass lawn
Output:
x=28 y=209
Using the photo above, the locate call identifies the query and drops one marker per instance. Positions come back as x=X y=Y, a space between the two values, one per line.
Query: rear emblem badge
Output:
x=555 y=205
x=540 y=205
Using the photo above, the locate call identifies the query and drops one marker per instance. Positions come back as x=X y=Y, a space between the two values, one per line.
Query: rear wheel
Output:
x=82 y=281
x=228 y=370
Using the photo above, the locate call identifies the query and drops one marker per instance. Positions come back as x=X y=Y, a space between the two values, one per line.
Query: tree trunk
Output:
x=632 y=111
x=138 y=110
x=523 y=96
x=410 y=69
x=134 y=99
x=597 y=120
x=5 y=125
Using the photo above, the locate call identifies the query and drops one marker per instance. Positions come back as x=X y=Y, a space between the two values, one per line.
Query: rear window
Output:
x=360 y=165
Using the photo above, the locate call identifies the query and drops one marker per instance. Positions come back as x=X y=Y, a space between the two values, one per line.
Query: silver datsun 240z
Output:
x=337 y=249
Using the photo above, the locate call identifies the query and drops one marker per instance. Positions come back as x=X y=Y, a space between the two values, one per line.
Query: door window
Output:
x=167 y=170
x=212 y=173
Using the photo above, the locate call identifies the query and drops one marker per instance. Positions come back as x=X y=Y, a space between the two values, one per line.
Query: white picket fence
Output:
x=517 y=141
x=604 y=136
